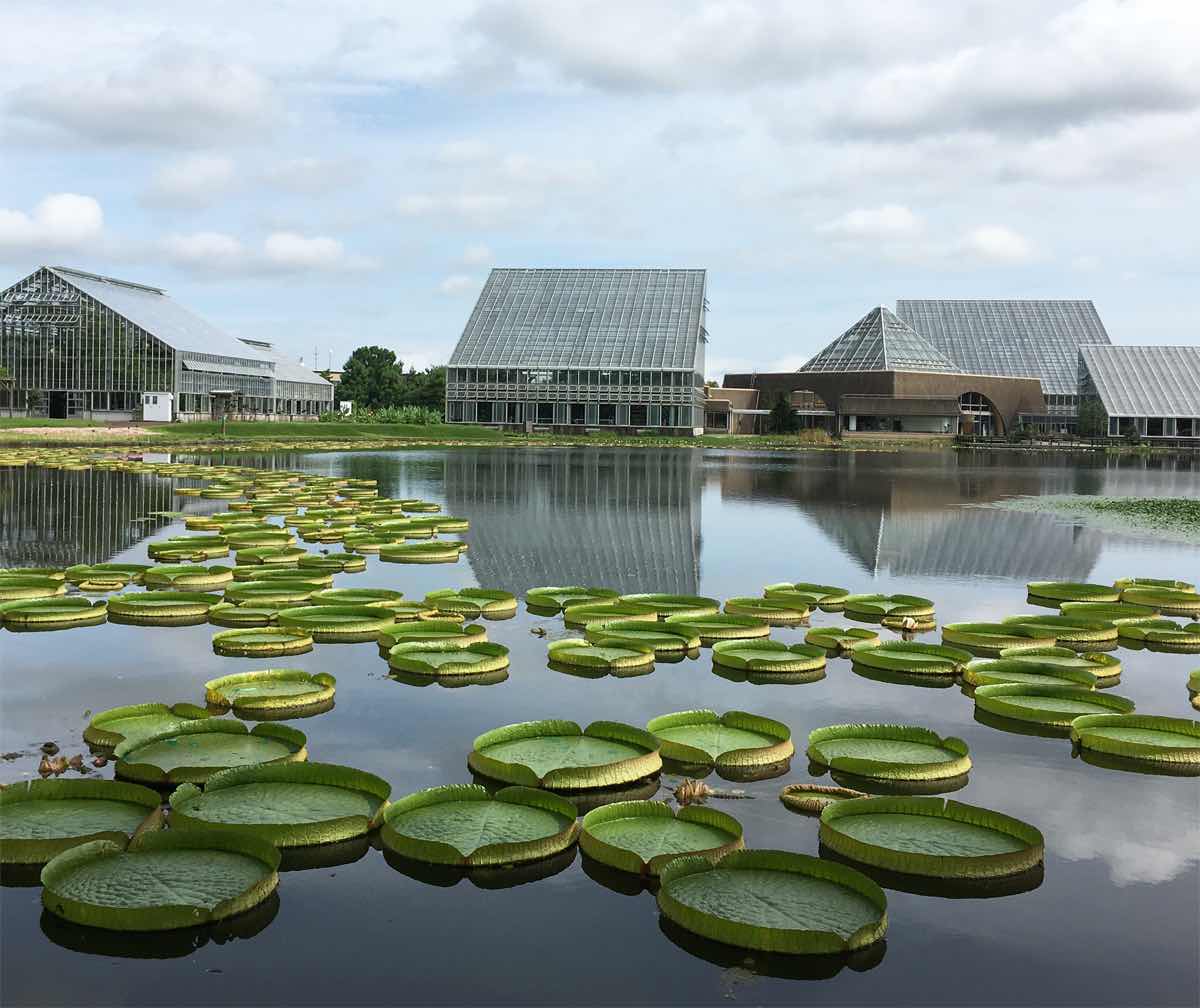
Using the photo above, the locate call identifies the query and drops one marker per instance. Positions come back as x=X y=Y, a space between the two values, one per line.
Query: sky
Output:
x=327 y=175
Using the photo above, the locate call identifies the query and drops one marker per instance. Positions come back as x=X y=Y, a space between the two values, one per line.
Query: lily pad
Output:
x=721 y=626
x=559 y=754
x=281 y=556
x=380 y=598
x=888 y=752
x=431 y=630
x=1141 y=737
x=275 y=592
x=263 y=642
x=189 y=577
x=641 y=837
x=29 y=586
x=878 y=607
x=1005 y=670
x=196 y=750
x=474 y=601
x=1169 y=601
x=602 y=613
x=607 y=653
x=111 y=727
x=552 y=599
x=338 y=623
x=42 y=818
x=773 y=610
x=829 y=598
x=463 y=824
x=774 y=901
x=1070 y=591
x=733 y=739
x=103 y=577
x=1114 y=612
x=1069 y=628
x=912 y=658
x=812 y=799
x=164 y=880
x=931 y=836
x=441 y=551
x=227 y=614
x=665 y=640
x=1142 y=582
x=1103 y=666
x=1054 y=706
x=257 y=572
x=56 y=611
x=674 y=605
x=766 y=655
x=1162 y=635
x=839 y=640
x=992 y=638
x=286 y=804
x=270 y=691
x=161 y=608
x=332 y=563
x=448 y=658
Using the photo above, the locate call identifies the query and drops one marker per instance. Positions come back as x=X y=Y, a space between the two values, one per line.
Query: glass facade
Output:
x=1151 y=391
x=879 y=341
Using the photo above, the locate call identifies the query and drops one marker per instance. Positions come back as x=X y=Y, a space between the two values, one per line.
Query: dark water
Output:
x=1113 y=921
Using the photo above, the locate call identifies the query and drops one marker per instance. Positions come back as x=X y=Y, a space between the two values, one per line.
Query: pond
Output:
x=1113 y=919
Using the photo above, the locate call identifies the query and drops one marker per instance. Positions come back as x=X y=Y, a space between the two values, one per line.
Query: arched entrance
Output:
x=978 y=415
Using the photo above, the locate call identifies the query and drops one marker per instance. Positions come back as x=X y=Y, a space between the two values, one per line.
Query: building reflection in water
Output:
x=628 y=520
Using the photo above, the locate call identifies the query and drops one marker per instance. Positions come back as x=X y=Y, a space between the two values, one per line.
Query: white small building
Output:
x=158 y=406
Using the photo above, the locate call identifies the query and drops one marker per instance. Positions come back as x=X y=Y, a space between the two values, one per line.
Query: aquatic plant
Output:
x=665 y=640
x=1005 y=670
x=490 y=602
x=442 y=551
x=53 y=612
x=888 y=752
x=733 y=739
x=776 y=611
x=1054 y=706
x=270 y=691
x=553 y=599
x=1144 y=582
x=1114 y=612
x=430 y=630
x=839 y=640
x=606 y=653
x=721 y=626
x=382 y=598
x=1142 y=738
x=448 y=657
x=829 y=598
x=1162 y=635
x=280 y=556
x=1069 y=627
x=264 y=642
x=1103 y=666
x=1169 y=601
x=766 y=655
x=337 y=623
x=642 y=837
x=1071 y=591
x=29 y=586
x=992 y=638
x=195 y=750
x=332 y=563
x=812 y=799
x=103 y=577
x=163 y=608
x=192 y=577
x=674 y=605
x=602 y=613
x=911 y=657
x=877 y=608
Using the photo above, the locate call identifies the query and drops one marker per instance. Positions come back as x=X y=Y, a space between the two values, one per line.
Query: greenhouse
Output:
x=583 y=348
x=1146 y=391
x=85 y=346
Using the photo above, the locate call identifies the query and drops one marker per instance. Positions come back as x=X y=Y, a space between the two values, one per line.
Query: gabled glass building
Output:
x=1149 y=391
x=583 y=348
x=81 y=345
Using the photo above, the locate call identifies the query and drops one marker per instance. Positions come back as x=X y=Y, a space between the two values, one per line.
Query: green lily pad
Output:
x=733 y=739
x=474 y=601
x=643 y=836
x=270 y=691
x=931 y=836
x=552 y=599
x=264 y=642
x=1103 y=666
x=607 y=653
x=103 y=577
x=776 y=610
x=602 y=613
x=1169 y=601
x=911 y=658
x=164 y=880
x=675 y=605
x=448 y=658
x=888 y=752
x=463 y=824
x=275 y=592
x=380 y=598
x=226 y=614
x=338 y=623
x=28 y=586
x=286 y=804
x=774 y=901
x=282 y=556
x=992 y=638
x=663 y=639
x=1162 y=634
x=189 y=577
x=1114 y=612
x=829 y=598
x=161 y=608
x=766 y=655
x=111 y=727
x=260 y=573
x=189 y=549
x=1070 y=627
x=721 y=626
x=839 y=640
x=1054 y=706
x=441 y=551
x=56 y=611
x=877 y=607
x=196 y=750
x=1141 y=582
x=1005 y=670
x=1070 y=591
x=331 y=563
x=430 y=630
x=1140 y=737
x=42 y=818
x=812 y=799
x=559 y=754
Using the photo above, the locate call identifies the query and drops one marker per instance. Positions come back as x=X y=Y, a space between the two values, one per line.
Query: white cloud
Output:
x=888 y=221
x=205 y=251
x=280 y=252
x=58 y=222
x=291 y=250
x=311 y=175
x=996 y=243
x=475 y=207
x=458 y=283
x=193 y=181
x=477 y=255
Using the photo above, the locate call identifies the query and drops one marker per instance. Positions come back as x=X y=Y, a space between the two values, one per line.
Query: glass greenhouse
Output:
x=1151 y=391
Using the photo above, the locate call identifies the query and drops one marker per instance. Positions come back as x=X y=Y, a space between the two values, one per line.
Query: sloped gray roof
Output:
x=1149 y=381
x=287 y=369
x=160 y=315
x=880 y=342
x=1014 y=339
x=631 y=318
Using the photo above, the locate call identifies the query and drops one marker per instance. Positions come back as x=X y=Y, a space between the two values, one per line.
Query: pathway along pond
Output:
x=1114 y=920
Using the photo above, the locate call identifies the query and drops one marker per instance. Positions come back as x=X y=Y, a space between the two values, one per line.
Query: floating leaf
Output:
x=992 y=638
x=888 y=752
x=161 y=608
x=839 y=640
x=448 y=658
x=196 y=750
x=766 y=655
x=53 y=612
x=878 y=607
x=442 y=551
x=606 y=653
x=775 y=610
x=111 y=727
x=1070 y=591
x=271 y=691
x=474 y=601
x=430 y=630
x=663 y=639
x=555 y=599
x=1055 y=706
x=675 y=605
x=338 y=623
x=599 y=614
x=910 y=657
x=721 y=626
x=829 y=598
x=192 y=577
x=1140 y=737
x=1070 y=627
x=267 y=642
x=643 y=836
x=812 y=799
x=733 y=739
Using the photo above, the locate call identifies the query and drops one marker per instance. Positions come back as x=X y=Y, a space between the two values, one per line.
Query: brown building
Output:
x=882 y=375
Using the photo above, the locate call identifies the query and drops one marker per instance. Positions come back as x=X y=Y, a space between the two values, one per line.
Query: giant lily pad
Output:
x=552 y=599
x=1006 y=670
x=734 y=739
x=992 y=638
x=829 y=598
x=812 y=799
x=559 y=754
x=29 y=586
x=931 y=836
x=1142 y=738
x=103 y=577
x=338 y=623
x=675 y=605
x=196 y=750
x=331 y=563
x=888 y=752
x=721 y=626
x=281 y=556
x=1053 y=706
x=1162 y=635
x=442 y=551
x=877 y=608
x=1069 y=628
x=1103 y=666
x=606 y=653
x=226 y=614
x=775 y=610
x=1142 y=582
x=430 y=630
x=474 y=601
x=448 y=658
x=775 y=901
x=187 y=577
x=1054 y=592
x=839 y=640
x=286 y=804
x=463 y=824
x=258 y=572
x=53 y=612
x=111 y=727
x=766 y=655
x=188 y=549
x=602 y=613
x=665 y=640
x=381 y=598
x=1114 y=612
x=264 y=642
x=275 y=592
x=912 y=658
x=161 y=608
x=643 y=836
x=271 y=691
x=163 y=880
x=42 y=818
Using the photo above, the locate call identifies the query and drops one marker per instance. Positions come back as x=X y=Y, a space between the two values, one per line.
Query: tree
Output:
x=372 y=378
x=425 y=388
x=1093 y=421
x=781 y=419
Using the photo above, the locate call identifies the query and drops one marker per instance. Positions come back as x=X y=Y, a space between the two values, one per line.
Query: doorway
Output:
x=56 y=405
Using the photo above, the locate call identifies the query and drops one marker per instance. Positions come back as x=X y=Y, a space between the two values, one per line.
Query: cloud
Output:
x=205 y=250
x=194 y=181
x=311 y=175
x=888 y=221
x=458 y=283
x=469 y=206
x=58 y=222
x=477 y=255
x=995 y=243
x=214 y=252
x=176 y=97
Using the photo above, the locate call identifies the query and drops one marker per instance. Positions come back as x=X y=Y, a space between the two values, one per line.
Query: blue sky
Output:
x=328 y=175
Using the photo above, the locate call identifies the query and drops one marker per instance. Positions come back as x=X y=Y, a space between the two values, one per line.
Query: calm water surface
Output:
x=1113 y=921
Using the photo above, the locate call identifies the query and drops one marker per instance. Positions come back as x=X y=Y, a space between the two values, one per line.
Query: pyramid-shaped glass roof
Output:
x=879 y=341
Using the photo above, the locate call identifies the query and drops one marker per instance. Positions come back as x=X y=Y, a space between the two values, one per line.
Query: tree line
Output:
x=373 y=379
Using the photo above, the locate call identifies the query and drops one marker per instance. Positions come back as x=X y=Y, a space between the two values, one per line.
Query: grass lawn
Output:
x=202 y=429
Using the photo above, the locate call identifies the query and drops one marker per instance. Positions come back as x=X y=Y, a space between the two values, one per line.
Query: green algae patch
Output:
x=928 y=836
x=641 y=837
x=464 y=824
x=41 y=819
x=448 y=658
x=774 y=901
x=262 y=642
x=111 y=727
x=888 y=752
x=606 y=653
x=285 y=804
x=839 y=640
x=196 y=750
x=1140 y=737
x=665 y=640
x=911 y=658
x=559 y=754
x=160 y=881
x=1051 y=706
x=766 y=655
x=731 y=740
x=273 y=692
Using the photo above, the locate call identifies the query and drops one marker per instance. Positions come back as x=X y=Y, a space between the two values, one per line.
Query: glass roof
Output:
x=1016 y=339
x=633 y=318
x=880 y=342
x=1143 y=381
